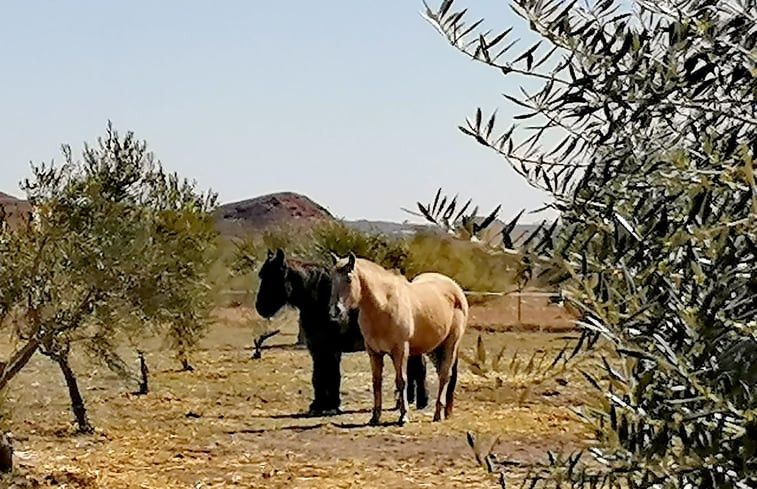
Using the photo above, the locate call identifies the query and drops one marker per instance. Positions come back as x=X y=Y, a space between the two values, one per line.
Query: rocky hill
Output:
x=260 y=213
x=284 y=209
x=15 y=209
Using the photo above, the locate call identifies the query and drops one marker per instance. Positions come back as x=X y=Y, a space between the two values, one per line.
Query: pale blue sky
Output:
x=353 y=103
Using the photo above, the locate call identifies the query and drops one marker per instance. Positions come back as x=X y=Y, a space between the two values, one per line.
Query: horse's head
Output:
x=274 y=289
x=345 y=287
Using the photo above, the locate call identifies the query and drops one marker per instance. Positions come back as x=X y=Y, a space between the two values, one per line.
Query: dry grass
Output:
x=537 y=314
x=233 y=423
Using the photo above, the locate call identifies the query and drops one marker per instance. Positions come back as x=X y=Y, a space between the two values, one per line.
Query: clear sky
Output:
x=353 y=103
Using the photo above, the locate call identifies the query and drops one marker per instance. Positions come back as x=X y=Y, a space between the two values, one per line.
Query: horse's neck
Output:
x=304 y=289
x=375 y=289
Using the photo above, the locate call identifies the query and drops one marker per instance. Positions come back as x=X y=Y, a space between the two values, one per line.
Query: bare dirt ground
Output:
x=234 y=421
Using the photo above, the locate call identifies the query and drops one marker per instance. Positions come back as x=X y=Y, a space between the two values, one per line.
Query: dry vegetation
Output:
x=474 y=266
x=233 y=423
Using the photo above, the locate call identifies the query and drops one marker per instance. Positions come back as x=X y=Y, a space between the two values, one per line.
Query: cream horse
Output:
x=402 y=318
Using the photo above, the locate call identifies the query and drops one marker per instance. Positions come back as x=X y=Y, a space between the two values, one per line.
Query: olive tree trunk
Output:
x=185 y=365
x=18 y=360
x=77 y=402
x=6 y=454
x=144 y=386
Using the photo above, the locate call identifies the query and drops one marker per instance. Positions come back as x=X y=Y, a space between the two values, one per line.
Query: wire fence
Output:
x=473 y=293
x=523 y=307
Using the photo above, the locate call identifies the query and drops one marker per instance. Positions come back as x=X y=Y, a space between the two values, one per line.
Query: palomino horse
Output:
x=306 y=286
x=402 y=318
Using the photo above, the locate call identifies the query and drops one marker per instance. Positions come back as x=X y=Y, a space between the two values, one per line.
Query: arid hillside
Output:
x=15 y=209
x=266 y=211
x=286 y=209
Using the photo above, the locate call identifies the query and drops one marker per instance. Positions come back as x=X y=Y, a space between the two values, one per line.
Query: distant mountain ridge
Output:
x=293 y=209
x=263 y=212
x=288 y=209
x=15 y=209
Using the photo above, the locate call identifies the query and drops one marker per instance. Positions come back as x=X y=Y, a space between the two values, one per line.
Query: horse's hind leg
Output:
x=416 y=381
x=399 y=357
x=377 y=367
x=451 y=391
x=436 y=359
x=448 y=354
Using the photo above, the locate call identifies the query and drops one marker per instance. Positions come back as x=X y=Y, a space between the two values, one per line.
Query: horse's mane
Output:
x=305 y=265
x=307 y=269
x=375 y=267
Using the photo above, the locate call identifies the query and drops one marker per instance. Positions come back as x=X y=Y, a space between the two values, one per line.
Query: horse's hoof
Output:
x=422 y=403
x=314 y=411
x=403 y=420
x=331 y=412
x=374 y=421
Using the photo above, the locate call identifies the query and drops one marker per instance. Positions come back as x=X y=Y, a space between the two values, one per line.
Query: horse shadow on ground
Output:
x=308 y=415
x=301 y=428
x=283 y=346
x=326 y=422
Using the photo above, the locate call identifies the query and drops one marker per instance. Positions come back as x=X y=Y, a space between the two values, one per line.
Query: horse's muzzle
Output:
x=265 y=310
x=338 y=313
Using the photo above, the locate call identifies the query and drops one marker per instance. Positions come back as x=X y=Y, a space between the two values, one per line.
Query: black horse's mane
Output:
x=305 y=266
x=313 y=277
x=308 y=271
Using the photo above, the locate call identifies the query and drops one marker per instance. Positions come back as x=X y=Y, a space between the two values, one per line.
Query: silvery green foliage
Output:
x=462 y=221
x=118 y=248
x=653 y=176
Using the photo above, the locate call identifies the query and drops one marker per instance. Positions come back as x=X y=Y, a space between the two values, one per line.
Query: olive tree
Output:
x=116 y=248
x=652 y=109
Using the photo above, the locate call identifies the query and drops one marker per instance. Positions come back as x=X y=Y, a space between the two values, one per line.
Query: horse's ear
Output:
x=351 y=261
x=334 y=257
x=280 y=255
x=270 y=254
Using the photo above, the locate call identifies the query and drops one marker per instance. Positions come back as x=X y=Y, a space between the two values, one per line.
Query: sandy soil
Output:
x=235 y=422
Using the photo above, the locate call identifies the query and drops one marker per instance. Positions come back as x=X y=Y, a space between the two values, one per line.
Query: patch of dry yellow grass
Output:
x=230 y=423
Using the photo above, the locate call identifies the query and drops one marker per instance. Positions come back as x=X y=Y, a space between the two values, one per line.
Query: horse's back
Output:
x=440 y=310
x=432 y=286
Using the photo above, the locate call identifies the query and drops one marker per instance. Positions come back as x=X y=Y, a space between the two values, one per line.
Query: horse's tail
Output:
x=461 y=302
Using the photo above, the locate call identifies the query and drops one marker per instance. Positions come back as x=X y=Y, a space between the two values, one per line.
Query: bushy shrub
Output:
x=338 y=238
x=473 y=266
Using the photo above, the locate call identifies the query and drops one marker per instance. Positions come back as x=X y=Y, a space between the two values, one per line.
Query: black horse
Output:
x=307 y=286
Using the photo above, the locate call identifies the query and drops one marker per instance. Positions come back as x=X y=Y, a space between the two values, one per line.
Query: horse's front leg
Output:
x=330 y=380
x=399 y=357
x=377 y=368
x=317 y=381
